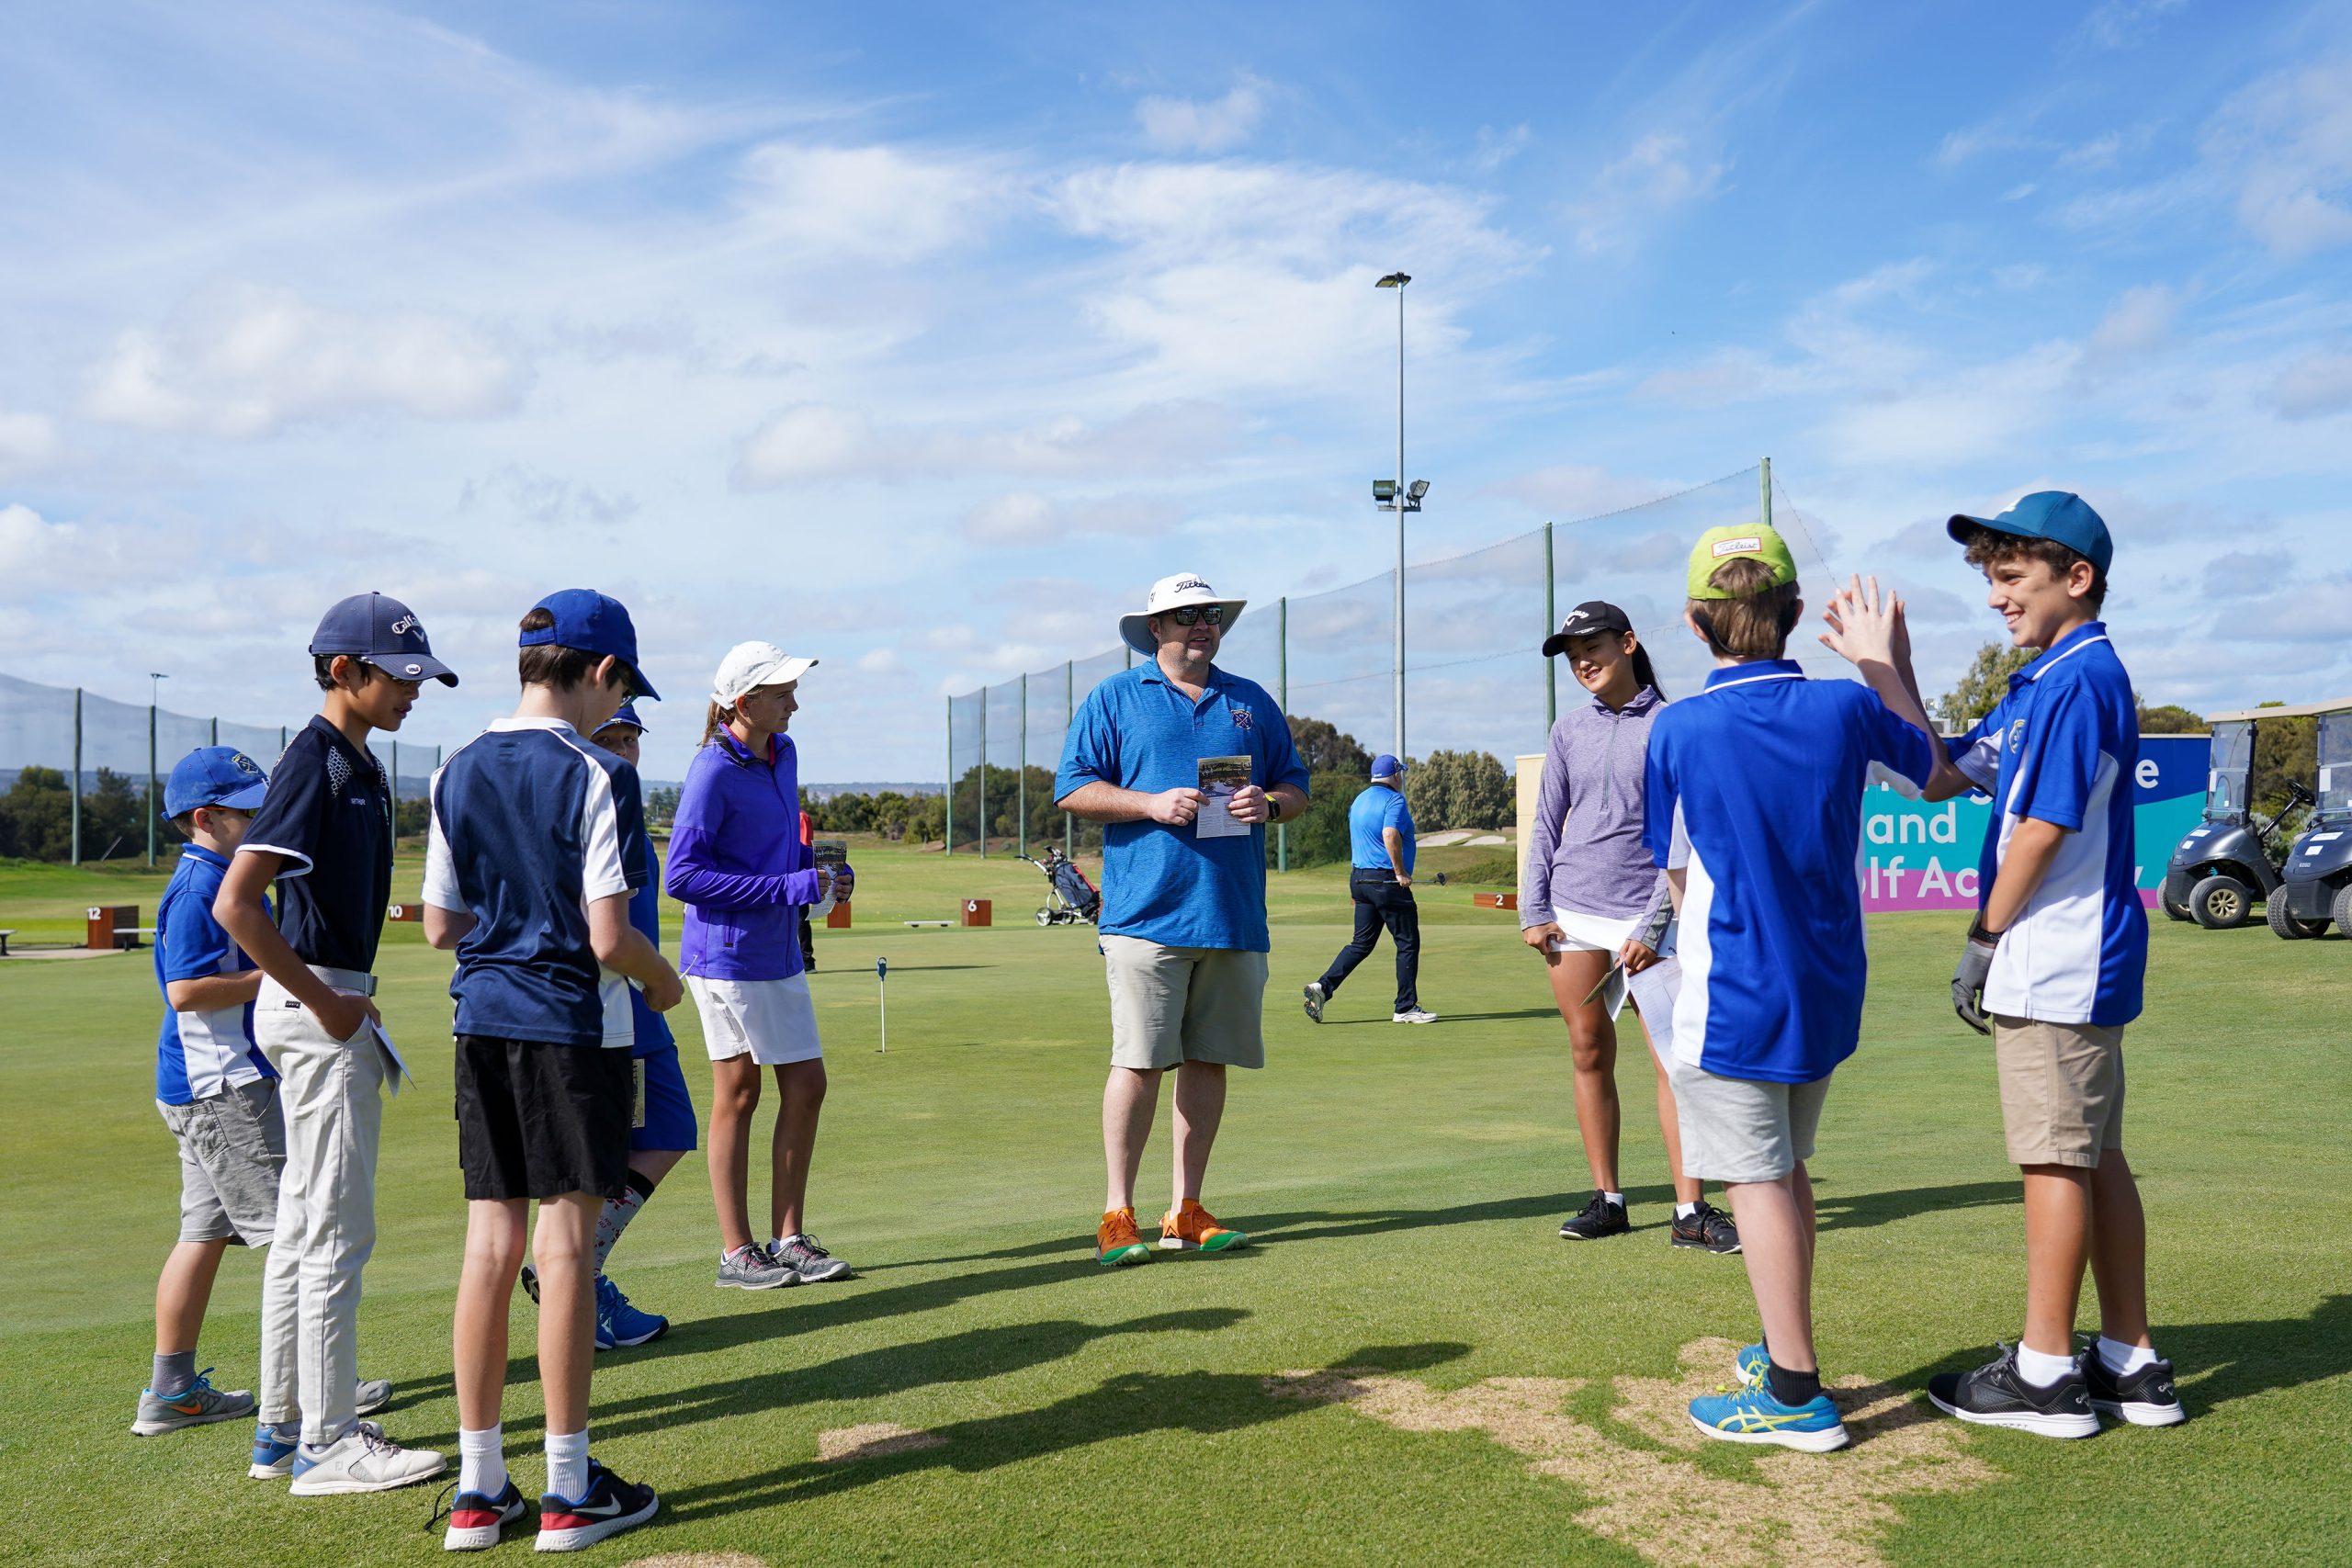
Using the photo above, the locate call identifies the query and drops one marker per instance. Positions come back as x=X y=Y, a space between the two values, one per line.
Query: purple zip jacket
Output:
x=738 y=864
x=1585 y=849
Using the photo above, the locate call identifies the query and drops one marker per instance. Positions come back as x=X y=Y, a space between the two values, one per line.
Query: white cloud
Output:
x=851 y=204
x=2284 y=145
x=2139 y=323
x=247 y=361
x=1577 y=491
x=1498 y=147
x=819 y=441
x=2004 y=133
x=1025 y=518
x=1657 y=175
x=1195 y=125
x=37 y=556
x=2096 y=153
x=2316 y=384
x=2119 y=24
x=27 y=441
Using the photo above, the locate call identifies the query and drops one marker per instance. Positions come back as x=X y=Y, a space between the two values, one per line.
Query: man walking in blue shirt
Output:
x=1184 y=917
x=1380 y=879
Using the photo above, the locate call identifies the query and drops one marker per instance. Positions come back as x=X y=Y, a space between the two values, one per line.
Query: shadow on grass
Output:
x=1860 y=1210
x=1446 y=1018
x=2221 y=1362
x=1128 y=1405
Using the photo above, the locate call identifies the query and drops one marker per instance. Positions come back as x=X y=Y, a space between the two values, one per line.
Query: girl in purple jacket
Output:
x=738 y=865
x=1593 y=898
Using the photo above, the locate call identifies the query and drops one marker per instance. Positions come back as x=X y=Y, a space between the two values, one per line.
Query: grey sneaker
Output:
x=1315 y=996
x=754 y=1270
x=197 y=1405
x=1414 y=1015
x=372 y=1395
x=362 y=1459
x=809 y=1263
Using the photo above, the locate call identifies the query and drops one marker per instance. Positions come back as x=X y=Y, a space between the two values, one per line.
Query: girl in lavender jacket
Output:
x=1592 y=898
x=738 y=865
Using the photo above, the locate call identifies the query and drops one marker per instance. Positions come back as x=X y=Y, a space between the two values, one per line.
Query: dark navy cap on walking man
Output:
x=2057 y=516
x=381 y=631
x=593 y=623
x=1587 y=619
x=214 y=775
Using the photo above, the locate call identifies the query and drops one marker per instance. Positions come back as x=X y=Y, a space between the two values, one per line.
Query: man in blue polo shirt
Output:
x=537 y=844
x=1380 y=880
x=1765 y=770
x=1183 y=922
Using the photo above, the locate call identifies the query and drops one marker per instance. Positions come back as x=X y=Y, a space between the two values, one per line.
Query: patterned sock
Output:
x=174 y=1370
x=567 y=1465
x=619 y=1211
x=481 y=1460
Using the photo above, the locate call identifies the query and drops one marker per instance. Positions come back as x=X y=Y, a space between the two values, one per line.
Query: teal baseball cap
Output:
x=2059 y=516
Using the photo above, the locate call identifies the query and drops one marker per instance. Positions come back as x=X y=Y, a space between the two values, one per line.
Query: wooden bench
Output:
x=4 y=943
x=920 y=925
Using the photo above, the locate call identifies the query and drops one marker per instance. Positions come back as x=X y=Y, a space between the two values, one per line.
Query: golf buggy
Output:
x=2316 y=881
x=2224 y=866
x=1069 y=898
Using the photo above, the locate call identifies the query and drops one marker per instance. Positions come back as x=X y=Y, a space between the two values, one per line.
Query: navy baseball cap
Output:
x=1386 y=767
x=214 y=775
x=625 y=714
x=2055 y=515
x=593 y=623
x=384 y=632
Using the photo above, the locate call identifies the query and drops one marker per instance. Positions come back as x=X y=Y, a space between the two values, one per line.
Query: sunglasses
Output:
x=1192 y=613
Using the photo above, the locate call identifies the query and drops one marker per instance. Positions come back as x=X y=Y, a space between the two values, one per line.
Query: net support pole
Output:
x=1551 y=619
x=947 y=800
x=75 y=794
x=984 y=773
x=1764 y=484
x=1281 y=700
x=1021 y=782
x=216 y=731
x=396 y=788
x=1069 y=717
x=151 y=784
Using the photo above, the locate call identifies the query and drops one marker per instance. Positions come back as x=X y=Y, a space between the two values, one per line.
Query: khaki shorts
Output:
x=2062 y=1089
x=1171 y=1005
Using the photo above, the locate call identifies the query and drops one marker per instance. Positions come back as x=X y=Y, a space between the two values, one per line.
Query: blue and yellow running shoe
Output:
x=1751 y=1365
x=1750 y=1414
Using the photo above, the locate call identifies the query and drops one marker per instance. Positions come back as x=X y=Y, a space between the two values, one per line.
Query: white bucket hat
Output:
x=751 y=665
x=1171 y=594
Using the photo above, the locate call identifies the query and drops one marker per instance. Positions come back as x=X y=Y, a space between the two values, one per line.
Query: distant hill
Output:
x=827 y=791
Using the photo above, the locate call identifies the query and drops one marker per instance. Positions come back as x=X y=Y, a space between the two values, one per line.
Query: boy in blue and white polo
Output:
x=2052 y=967
x=537 y=844
x=1765 y=771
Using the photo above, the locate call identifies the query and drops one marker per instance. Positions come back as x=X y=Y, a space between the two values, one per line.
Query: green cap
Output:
x=1717 y=546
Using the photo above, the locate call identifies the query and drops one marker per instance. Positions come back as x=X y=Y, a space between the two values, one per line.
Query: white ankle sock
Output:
x=2042 y=1370
x=2124 y=1360
x=1684 y=1211
x=481 y=1460
x=567 y=1465
x=1616 y=1198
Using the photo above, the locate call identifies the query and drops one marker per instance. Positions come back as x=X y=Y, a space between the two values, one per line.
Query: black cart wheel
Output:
x=2285 y=925
x=2220 y=903
x=1044 y=917
x=2177 y=912
x=2342 y=909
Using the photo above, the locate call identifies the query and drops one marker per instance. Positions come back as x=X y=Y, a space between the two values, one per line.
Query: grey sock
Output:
x=174 y=1370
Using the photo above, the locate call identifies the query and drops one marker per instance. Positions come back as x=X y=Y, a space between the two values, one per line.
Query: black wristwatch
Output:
x=1274 y=806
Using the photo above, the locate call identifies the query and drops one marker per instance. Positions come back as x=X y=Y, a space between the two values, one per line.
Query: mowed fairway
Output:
x=1509 y=1397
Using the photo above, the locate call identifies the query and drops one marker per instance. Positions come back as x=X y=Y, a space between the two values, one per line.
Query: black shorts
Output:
x=537 y=1120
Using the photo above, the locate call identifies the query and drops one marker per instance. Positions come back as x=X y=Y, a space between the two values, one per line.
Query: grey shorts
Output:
x=1171 y=1005
x=232 y=1145
x=1744 y=1129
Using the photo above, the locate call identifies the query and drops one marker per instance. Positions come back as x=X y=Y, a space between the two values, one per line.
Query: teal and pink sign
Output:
x=1918 y=856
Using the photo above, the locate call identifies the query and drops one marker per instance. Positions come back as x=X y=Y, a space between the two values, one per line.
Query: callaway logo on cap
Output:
x=1590 y=618
x=383 y=632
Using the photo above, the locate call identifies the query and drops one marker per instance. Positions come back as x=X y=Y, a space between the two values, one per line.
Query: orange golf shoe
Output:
x=1188 y=1227
x=1117 y=1240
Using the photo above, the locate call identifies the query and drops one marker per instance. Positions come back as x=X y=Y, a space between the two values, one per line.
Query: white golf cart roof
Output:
x=2301 y=710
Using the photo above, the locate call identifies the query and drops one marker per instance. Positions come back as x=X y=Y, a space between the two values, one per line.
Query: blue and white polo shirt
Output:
x=1766 y=771
x=1168 y=885
x=2061 y=747
x=530 y=825
x=199 y=1054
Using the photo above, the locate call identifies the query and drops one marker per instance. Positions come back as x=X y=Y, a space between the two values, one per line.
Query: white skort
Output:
x=1580 y=932
x=774 y=1021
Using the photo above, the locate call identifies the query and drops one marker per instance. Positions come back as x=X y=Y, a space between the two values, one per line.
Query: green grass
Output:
x=1405 y=1184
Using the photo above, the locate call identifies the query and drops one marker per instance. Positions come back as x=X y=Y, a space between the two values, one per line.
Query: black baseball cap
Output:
x=1593 y=616
x=384 y=632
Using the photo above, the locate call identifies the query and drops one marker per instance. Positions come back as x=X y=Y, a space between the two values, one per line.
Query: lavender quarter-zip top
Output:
x=738 y=864
x=1585 y=849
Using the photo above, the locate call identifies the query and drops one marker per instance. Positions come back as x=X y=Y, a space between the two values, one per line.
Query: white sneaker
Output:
x=363 y=1460
x=1418 y=1015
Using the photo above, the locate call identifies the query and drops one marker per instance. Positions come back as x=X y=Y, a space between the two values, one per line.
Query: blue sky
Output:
x=920 y=338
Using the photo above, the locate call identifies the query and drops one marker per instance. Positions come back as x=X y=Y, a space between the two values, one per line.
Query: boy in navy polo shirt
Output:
x=324 y=835
x=2053 y=966
x=537 y=844
x=1765 y=772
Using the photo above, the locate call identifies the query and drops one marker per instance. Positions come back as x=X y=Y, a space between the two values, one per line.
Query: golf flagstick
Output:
x=882 y=996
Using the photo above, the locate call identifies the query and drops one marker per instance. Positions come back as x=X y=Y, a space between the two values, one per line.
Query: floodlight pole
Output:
x=155 y=679
x=1401 y=279
x=1550 y=676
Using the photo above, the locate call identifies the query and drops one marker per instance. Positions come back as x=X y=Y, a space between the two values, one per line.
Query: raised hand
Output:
x=1866 y=625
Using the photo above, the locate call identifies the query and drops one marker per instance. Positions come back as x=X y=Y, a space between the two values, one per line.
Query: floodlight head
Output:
x=1420 y=488
x=1384 y=489
x=1395 y=280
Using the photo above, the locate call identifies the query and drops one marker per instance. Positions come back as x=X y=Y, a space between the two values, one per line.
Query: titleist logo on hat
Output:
x=1748 y=546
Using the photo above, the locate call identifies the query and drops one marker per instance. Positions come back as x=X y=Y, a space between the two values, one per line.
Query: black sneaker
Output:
x=2145 y=1398
x=1597 y=1219
x=1996 y=1394
x=611 y=1506
x=1708 y=1227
